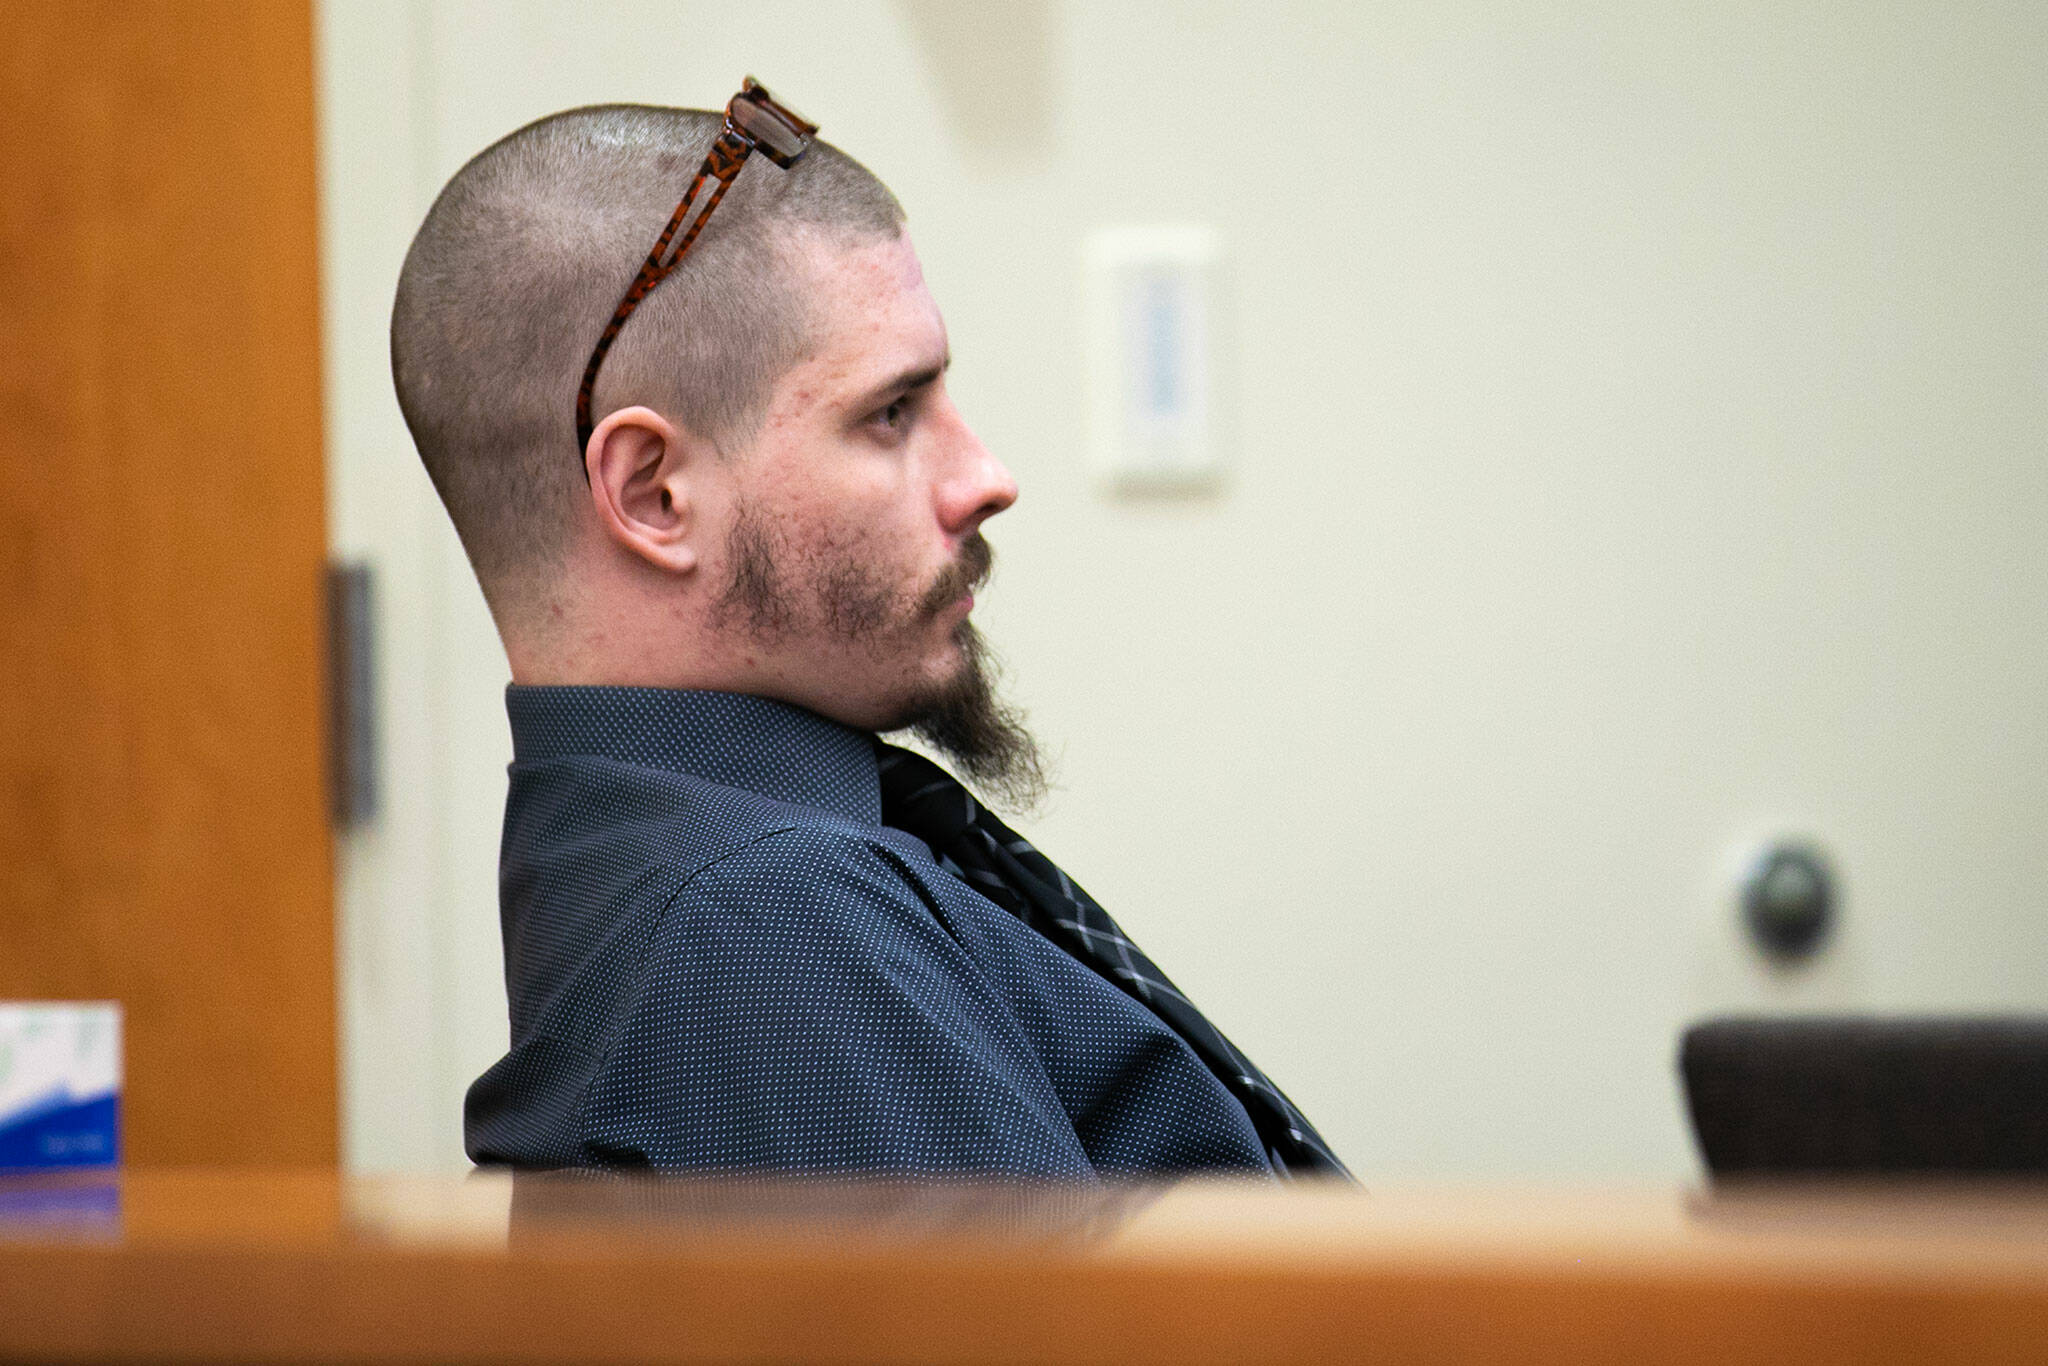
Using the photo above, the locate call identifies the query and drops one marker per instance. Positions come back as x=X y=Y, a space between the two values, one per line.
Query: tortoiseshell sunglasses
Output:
x=754 y=122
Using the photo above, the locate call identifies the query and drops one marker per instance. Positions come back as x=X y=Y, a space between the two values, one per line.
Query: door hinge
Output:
x=351 y=694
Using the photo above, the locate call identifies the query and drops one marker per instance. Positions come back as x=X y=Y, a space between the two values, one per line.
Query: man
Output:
x=740 y=932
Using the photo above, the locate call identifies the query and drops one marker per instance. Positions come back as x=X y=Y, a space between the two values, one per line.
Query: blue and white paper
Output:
x=60 y=1084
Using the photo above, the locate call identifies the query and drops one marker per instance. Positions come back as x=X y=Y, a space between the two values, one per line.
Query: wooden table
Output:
x=313 y=1267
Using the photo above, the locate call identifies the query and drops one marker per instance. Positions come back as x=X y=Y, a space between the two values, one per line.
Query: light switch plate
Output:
x=1152 y=321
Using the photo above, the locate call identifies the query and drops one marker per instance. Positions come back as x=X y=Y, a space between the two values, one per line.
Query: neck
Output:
x=608 y=629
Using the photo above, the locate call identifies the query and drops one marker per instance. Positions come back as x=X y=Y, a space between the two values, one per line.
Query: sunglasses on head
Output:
x=754 y=122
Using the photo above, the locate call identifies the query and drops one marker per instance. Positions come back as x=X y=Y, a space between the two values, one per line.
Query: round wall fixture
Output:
x=1788 y=899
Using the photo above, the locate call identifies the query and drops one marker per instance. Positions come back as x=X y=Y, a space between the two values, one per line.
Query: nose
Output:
x=976 y=485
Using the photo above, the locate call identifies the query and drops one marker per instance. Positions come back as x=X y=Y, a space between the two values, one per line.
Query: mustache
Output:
x=976 y=563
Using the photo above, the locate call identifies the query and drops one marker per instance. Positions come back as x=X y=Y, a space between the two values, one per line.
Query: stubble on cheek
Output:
x=754 y=597
x=835 y=589
x=855 y=605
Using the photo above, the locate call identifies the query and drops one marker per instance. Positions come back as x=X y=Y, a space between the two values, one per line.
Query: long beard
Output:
x=981 y=734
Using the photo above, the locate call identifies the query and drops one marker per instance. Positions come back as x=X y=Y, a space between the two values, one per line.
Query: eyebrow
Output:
x=902 y=383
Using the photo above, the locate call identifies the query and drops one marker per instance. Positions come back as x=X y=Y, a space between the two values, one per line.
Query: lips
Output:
x=955 y=587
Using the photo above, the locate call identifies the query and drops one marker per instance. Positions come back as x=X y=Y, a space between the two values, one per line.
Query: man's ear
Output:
x=642 y=470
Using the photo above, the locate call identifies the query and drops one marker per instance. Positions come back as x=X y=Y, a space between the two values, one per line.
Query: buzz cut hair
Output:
x=520 y=264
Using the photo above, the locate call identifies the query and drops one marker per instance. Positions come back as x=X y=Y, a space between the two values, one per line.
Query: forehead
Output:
x=872 y=316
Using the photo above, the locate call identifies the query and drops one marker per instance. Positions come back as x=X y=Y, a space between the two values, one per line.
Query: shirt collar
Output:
x=772 y=748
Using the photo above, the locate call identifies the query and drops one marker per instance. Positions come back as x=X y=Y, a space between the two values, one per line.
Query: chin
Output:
x=896 y=708
x=916 y=700
x=910 y=694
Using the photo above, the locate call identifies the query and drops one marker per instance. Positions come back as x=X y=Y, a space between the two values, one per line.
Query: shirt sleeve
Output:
x=802 y=1009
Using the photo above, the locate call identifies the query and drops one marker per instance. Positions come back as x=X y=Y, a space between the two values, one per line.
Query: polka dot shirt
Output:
x=718 y=958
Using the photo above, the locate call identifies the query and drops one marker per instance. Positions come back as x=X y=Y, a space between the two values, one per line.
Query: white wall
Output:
x=1639 y=447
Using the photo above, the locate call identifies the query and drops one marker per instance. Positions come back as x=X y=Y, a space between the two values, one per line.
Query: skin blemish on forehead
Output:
x=876 y=288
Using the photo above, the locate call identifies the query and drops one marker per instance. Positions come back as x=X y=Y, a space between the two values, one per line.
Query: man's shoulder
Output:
x=817 y=876
x=632 y=816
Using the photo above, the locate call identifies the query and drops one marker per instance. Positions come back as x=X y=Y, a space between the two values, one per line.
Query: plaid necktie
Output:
x=922 y=799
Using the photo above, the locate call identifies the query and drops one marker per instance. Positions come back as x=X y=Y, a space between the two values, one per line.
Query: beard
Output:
x=846 y=604
x=983 y=735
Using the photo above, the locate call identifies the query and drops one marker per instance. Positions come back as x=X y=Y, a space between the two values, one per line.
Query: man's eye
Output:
x=895 y=416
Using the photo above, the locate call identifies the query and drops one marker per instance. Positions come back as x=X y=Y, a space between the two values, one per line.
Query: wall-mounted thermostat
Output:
x=1151 y=314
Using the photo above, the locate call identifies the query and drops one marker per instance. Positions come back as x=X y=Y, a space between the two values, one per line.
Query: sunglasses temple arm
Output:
x=728 y=154
x=723 y=166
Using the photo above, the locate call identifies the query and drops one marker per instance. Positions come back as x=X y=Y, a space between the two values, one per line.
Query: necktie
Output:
x=922 y=799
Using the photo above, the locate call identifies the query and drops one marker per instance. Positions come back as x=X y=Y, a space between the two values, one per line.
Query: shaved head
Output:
x=520 y=264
